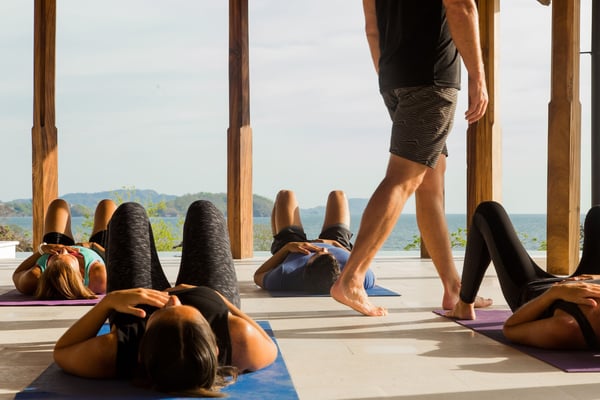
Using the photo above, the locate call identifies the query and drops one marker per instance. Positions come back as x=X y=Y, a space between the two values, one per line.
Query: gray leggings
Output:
x=132 y=260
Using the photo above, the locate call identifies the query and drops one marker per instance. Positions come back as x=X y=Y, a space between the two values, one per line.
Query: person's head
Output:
x=320 y=273
x=62 y=280
x=179 y=354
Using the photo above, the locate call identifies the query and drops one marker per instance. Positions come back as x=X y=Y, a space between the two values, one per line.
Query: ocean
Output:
x=530 y=227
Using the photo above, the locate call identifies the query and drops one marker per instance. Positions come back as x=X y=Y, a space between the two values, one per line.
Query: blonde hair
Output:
x=60 y=281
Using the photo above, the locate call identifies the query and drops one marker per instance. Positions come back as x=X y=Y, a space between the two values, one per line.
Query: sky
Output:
x=142 y=100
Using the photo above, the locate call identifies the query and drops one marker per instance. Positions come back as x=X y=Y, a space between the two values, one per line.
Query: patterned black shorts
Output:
x=422 y=118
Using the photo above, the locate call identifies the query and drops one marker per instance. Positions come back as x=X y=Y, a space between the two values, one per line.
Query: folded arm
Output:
x=81 y=352
x=559 y=331
x=27 y=274
x=279 y=257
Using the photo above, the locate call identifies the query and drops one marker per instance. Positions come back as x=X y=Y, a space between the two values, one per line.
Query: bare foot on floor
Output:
x=449 y=301
x=356 y=298
x=464 y=310
x=481 y=302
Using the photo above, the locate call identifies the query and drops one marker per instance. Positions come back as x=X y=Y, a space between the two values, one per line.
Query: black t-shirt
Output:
x=130 y=329
x=416 y=45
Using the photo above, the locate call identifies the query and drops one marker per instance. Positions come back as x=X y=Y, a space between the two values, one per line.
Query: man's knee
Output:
x=285 y=196
x=337 y=196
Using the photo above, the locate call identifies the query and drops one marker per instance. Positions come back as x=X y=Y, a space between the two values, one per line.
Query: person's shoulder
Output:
x=338 y=252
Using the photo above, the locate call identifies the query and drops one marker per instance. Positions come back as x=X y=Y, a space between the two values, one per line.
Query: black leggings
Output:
x=132 y=260
x=492 y=237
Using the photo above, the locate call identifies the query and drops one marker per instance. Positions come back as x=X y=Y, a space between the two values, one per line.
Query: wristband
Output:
x=40 y=248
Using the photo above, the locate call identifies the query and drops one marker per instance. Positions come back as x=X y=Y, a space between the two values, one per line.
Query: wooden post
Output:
x=595 y=103
x=239 y=135
x=564 y=140
x=484 y=138
x=43 y=133
x=484 y=164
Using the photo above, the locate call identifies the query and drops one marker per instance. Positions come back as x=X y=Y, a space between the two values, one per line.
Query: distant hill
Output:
x=357 y=206
x=84 y=203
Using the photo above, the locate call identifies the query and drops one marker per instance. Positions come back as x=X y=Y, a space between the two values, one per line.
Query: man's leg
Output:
x=286 y=212
x=402 y=178
x=336 y=211
x=336 y=224
x=431 y=219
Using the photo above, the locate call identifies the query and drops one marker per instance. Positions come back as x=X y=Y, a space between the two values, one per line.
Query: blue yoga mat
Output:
x=273 y=382
x=374 y=292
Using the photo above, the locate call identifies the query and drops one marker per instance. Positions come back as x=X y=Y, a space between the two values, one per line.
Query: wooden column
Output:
x=484 y=138
x=44 y=133
x=595 y=103
x=564 y=140
x=239 y=134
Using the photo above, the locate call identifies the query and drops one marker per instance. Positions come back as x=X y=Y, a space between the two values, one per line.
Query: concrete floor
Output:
x=332 y=352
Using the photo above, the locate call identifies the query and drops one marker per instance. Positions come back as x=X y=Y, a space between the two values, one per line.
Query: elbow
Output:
x=98 y=287
x=509 y=333
x=258 y=280
x=24 y=286
x=460 y=7
x=459 y=4
x=268 y=357
x=59 y=358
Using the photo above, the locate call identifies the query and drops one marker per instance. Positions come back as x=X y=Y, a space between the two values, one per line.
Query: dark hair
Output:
x=180 y=356
x=321 y=271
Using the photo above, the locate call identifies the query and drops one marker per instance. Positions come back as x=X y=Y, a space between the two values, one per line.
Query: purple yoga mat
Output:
x=14 y=298
x=489 y=323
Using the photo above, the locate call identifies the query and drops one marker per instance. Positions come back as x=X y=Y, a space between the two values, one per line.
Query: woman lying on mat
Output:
x=191 y=338
x=60 y=269
x=299 y=264
x=549 y=311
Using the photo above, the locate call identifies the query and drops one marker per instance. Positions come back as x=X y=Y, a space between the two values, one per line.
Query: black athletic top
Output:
x=130 y=329
x=416 y=45
x=585 y=326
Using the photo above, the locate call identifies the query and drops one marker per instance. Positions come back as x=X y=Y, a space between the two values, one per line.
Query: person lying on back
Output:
x=299 y=264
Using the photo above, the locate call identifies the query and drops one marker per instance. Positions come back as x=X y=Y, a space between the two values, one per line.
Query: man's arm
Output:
x=463 y=21
x=271 y=263
x=276 y=259
x=372 y=31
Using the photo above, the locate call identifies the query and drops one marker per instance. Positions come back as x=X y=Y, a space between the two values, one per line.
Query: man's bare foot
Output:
x=355 y=298
x=449 y=300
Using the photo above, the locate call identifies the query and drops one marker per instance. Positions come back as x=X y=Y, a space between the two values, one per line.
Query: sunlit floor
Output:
x=333 y=353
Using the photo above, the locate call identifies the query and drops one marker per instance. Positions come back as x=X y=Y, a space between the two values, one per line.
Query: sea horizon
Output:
x=531 y=228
